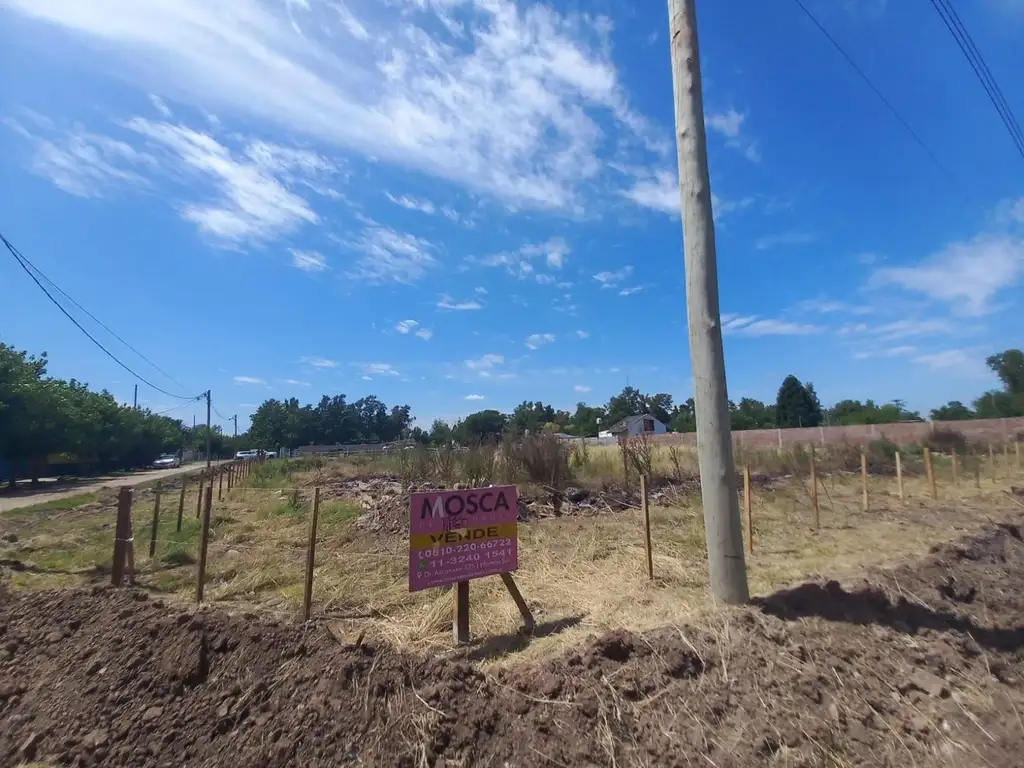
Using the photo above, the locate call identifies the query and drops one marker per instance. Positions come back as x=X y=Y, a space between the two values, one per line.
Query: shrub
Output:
x=944 y=440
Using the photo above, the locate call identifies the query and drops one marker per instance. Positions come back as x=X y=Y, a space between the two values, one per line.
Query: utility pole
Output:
x=208 y=428
x=235 y=419
x=135 y=400
x=724 y=529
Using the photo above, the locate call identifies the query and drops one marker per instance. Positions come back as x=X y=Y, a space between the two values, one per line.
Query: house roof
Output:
x=623 y=425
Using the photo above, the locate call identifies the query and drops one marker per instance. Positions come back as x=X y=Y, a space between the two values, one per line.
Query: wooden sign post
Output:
x=456 y=536
x=646 y=507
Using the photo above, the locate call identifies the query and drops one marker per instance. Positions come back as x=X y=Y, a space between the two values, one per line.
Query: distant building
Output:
x=631 y=426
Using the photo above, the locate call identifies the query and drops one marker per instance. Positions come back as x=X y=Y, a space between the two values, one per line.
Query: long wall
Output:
x=975 y=430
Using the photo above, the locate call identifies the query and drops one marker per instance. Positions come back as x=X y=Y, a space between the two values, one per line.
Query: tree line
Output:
x=47 y=422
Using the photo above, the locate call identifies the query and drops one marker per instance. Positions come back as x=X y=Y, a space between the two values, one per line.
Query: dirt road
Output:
x=48 y=491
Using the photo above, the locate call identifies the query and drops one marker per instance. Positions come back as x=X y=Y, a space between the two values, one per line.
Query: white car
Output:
x=167 y=461
x=243 y=455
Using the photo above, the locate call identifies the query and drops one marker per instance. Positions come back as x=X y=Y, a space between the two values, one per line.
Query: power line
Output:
x=920 y=142
x=178 y=407
x=970 y=51
x=27 y=265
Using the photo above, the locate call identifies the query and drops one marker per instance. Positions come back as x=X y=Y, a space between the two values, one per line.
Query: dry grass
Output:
x=580 y=575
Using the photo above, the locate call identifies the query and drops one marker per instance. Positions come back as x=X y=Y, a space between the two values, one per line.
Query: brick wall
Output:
x=976 y=430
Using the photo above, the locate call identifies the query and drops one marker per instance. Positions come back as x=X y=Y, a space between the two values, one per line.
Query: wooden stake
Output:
x=122 y=535
x=199 y=497
x=231 y=476
x=930 y=470
x=1006 y=459
x=814 y=491
x=977 y=470
x=1016 y=450
x=992 y=461
x=460 y=622
x=646 y=507
x=220 y=484
x=899 y=474
x=307 y=600
x=748 y=508
x=864 y=481
x=956 y=474
x=204 y=542
x=517 y=597
x=181 y=501
x=156 y=522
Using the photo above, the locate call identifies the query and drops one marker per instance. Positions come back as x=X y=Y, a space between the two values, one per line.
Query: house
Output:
x=643 y=424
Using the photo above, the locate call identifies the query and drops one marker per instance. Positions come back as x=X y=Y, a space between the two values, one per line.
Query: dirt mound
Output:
x=920 y=665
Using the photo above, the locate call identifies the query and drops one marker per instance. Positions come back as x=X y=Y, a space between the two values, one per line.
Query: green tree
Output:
x=751 y=414
x=629 y=402
x=684 y=417
x=1009 y=367
x=483 y=425
x=585 y=421
x=796 y=405
x=954 y=410
x=531 y=417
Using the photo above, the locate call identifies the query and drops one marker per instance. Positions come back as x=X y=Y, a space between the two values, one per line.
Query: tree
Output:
x=796 y=406
x=660 y=407
x=1009 y=367
x=629 y=402
x=684 y=418
x=584 y=422
x=531 y=417
x=441 y=433
x=954 y=410
x=483 y=425
x=751 y=414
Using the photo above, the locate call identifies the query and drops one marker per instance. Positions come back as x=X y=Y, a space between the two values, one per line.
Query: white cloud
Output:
x=160 y=106
x=474 y=397
x=966 y=275
x=425 y=333
x=950 y=359
x=308 y=261
x=612 y=279
x=406 y=326
x=248 y=380
x=751 y=325
x=390 y=256
x=481 y=290
x=519 y=108
x=582 y=335
x=631 y=291
x=319 y=362
x=581 y=388
x=784 y=238
x=902 y=329
x=730 y=124
x=378 y=369
x=537 y=340
x=826 y=306
x=296 y=382
x=520 y=261
x=446 y=302
x=413 y=204
x=486 y=364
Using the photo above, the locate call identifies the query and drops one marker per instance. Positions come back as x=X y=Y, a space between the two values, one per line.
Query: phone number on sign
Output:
x=473 y=558
x=486 y=548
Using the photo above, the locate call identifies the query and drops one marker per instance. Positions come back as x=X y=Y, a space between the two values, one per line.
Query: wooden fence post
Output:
x=156 y=521
x=204 y=541
x=231 y=476
x=122 y=536
x=1006 y=458
x=930 y=470
x=977 y=470
x=899 y=475
x=992 y=461
x=199 y=497
x=307 y=600
x=220 y=484
x=865 y=503
x=748 y=508
x=646 y=507
x=814 y=491
x=181 y=501
x=956 y=474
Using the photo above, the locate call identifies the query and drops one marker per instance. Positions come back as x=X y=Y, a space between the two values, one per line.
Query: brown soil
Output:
x=922 y=665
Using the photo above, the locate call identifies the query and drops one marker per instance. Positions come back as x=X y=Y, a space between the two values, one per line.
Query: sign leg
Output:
x=524 y=609
x=460 y=623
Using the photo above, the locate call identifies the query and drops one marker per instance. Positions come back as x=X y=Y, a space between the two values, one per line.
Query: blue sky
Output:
x=460 y=204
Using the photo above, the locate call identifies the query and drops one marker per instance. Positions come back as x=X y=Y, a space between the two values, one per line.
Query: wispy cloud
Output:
x=729 y=124
x=582 y=335
x=412 y=203
x=488 y=367
x=446 y=302
x=319 y=362
x=160 y=106
x=519 y=108
x=296 y=382
x=520 y=262
x=631 y=291
x=378 y=369
x=474 y=397
x=949 y=359
x=752 y=325
x=390 y=256
x=581 y=388
x=412 y=326
x=612 y=279
x=308 y=261
x=660 y=191
x=967 y=276
x=248 y=380
x=538 y=340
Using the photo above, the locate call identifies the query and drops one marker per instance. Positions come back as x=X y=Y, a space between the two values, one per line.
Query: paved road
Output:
x=26 y=496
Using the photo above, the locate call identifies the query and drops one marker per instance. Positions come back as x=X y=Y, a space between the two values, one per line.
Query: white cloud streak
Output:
x=308 y=261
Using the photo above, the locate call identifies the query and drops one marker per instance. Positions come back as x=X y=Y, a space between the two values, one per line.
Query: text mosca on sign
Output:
x=461 y=535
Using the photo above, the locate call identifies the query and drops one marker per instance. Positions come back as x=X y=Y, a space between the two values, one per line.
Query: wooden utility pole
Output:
x=726 y=564
x=135 y=399
x=235 y=419
x=208 y=429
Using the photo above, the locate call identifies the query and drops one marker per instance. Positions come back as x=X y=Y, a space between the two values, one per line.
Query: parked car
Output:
x=167 y=461
x=270 y=454
x=243 y=455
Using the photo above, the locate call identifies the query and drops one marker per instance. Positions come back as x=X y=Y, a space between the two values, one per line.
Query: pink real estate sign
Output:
x=461 y=535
